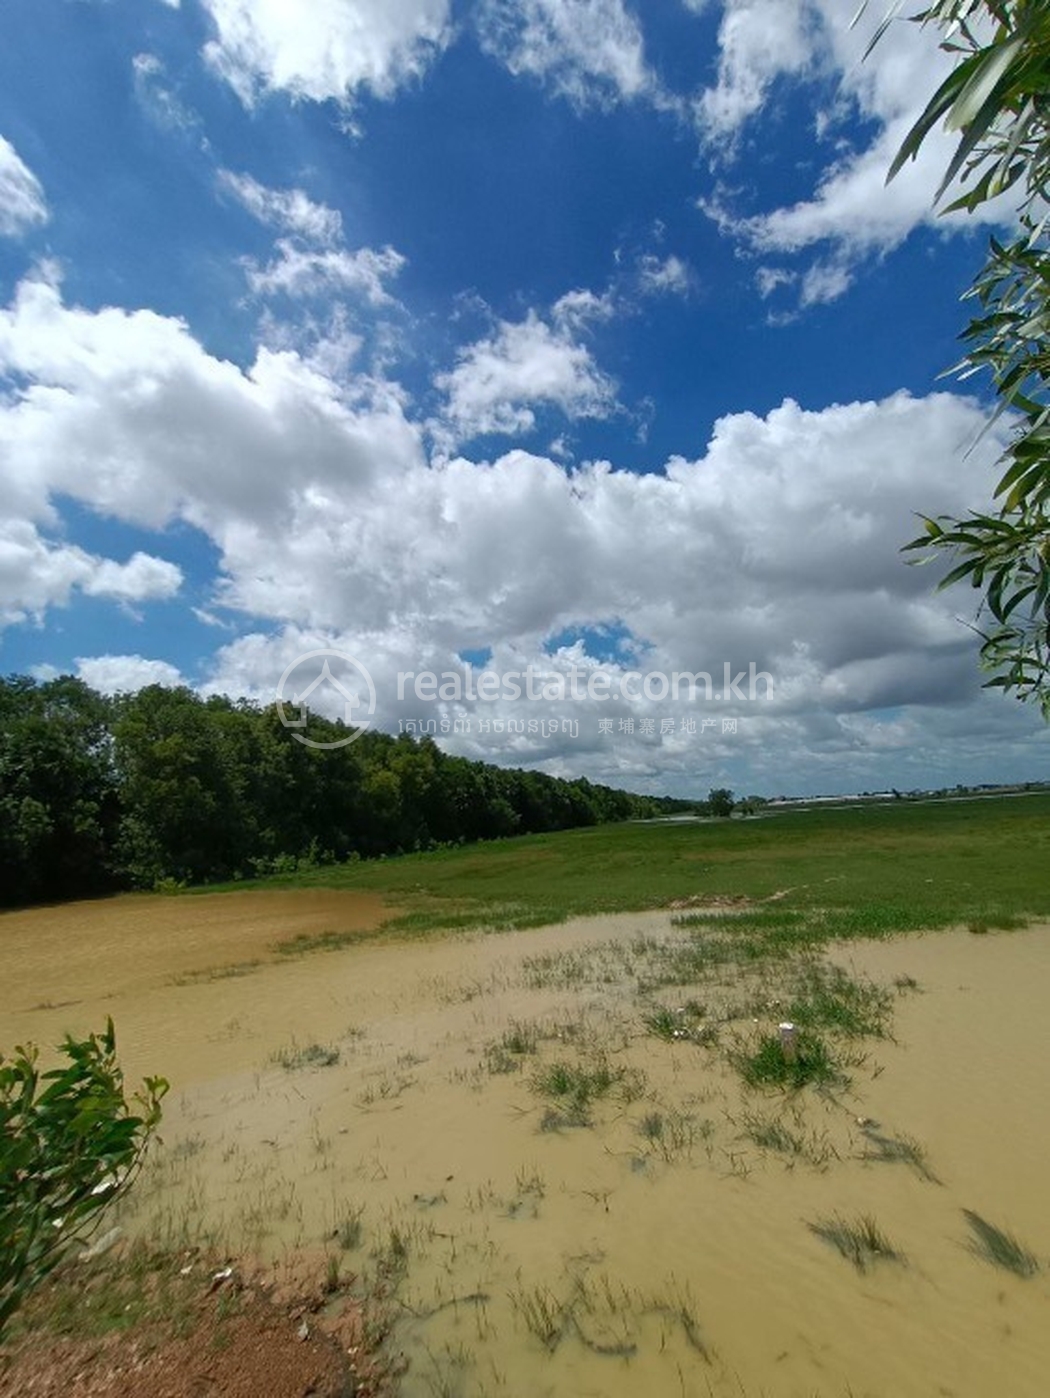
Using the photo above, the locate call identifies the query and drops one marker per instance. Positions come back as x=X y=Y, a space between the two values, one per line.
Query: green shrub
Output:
x=70 y=1143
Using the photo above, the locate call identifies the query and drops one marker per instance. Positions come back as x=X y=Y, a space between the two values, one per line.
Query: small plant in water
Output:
x=306 y=1056
x=651 y=1126
x=827 y=997
x=543 y=1314
x=768 y=1065
x=349 y=1231
x=519 y=1039
x=1000 y=1248
x=677 y=1024
x=574 y=1086
x=860 y=1241
x=899 y=1150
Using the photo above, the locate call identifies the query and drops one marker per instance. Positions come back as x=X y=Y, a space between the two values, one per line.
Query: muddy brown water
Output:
x=658 y=1250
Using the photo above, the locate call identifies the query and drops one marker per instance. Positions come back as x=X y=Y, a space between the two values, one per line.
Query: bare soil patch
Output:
x=206 y=1330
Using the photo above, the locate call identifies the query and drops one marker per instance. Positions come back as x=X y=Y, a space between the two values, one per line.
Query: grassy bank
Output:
x=871 y=869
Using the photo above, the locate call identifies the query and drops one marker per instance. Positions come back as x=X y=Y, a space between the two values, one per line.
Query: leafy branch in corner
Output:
x=70 y=1145
x=997 y=97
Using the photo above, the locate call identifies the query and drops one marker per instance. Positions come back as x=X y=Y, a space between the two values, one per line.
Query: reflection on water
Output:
x=655 y=1237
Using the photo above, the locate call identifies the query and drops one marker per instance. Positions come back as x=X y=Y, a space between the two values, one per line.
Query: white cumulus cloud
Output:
x=758 y=41
x=126 y=674
x=37 y=573
x=142 y=579
x=499 y=381
x=325 y=49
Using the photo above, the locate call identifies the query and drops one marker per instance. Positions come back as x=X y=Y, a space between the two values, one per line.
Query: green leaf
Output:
x=984 y=75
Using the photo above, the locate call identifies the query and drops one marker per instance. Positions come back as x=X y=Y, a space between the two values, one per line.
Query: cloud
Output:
x=776 y=543
x=499 y=381
x=767 y=279
x=851 y=211
x=126 y=674
x=37 y=573
x=668 y=276
x=589 y=51
x=22 y=203
x=758 y=42
x=126 y=410
x=156 y=98
x=329 y=49
x=310 y=261
x=823 y=282
x=290 y=210
x=142 y=579
x=302 y=272
x=578 y=309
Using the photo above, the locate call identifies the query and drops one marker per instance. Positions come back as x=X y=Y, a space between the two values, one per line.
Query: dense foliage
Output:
x=98 y=794
x=70 y=1142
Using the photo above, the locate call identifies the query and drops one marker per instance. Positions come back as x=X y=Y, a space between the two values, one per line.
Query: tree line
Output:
x=99 y=794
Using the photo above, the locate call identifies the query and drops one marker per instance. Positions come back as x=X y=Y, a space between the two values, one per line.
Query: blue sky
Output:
x=563 y=334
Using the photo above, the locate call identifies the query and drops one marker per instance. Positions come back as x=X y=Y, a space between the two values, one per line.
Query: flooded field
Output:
x=540 y=1154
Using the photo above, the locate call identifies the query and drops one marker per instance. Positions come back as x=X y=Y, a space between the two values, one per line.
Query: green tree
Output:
x=997 y=98
x=185 y=815
x=58 y=792
x=70 y=1144
x=720 y=801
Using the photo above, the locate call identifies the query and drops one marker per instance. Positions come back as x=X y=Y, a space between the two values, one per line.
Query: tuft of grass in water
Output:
x=651 y=1127
x=332 y=1278
x=767 y=1065
x=899 y=1150
x=827 y=997
x=306 y=1056
x=672 y=1133
x=663 y=1023
x=530 y=1182
x=604 y=1315
x=575 y=1087
x=542 y=1313
x=604 y=963
x=674 y=1025
x=384 y=1088
x=860 y=1241
x=505 y=1054
x=350 y=1230
x=498 y=1060
x=520 y=1038
x=391 y=1257
x=1000 y=1248
x=773 y=1133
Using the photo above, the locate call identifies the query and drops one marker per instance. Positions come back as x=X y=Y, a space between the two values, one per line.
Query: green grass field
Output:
x=870 y=870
